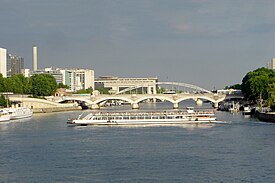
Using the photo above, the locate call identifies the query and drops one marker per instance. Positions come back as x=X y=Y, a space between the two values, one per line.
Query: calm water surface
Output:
x=45 y=149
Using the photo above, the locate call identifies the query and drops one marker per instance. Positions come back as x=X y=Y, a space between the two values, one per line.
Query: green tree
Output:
x=85 y=91
x=4 y=102
x=22 y=83
x=61 y=85
x=255 y=83
x=43 y=85
x=271 y=94
x=103 y=90
x=9 y=85
x=235 y=86
x=16 y=84
x=161 y=90
x=1 y=83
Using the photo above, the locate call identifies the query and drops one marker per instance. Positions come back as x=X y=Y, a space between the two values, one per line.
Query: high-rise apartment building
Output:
x=15 y=65
x=3 y=62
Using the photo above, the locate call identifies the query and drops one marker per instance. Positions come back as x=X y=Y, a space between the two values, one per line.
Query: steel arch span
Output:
x=168 y=83
x=185 y=85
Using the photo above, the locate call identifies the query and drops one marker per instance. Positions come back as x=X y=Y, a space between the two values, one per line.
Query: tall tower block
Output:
x=34 y=58
x=3 y=62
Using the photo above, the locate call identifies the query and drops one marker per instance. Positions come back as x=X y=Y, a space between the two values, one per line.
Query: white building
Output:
x=116 y=84
x=3 y=62
x=25 y=72
x=271 y=64
x=78 y=79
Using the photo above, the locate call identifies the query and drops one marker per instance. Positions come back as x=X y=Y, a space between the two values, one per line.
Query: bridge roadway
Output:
x=135 y=99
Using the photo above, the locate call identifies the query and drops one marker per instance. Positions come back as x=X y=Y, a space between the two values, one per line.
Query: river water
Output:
x=45 y=149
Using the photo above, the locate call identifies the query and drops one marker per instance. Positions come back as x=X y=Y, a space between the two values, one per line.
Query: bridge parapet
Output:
x=137 y=98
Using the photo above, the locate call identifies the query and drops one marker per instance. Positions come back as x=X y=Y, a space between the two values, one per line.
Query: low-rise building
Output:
x=116 y=84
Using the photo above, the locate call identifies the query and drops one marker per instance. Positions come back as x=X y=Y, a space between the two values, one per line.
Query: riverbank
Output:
x=56 y=109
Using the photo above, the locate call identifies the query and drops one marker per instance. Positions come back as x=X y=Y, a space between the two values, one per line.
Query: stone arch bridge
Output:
x=135 y=99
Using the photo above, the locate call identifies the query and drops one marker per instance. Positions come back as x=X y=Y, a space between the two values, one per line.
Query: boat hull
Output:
x=19 y=113
x=4 y=115
x=142 y=122
x=267 y=117
x=5 y=118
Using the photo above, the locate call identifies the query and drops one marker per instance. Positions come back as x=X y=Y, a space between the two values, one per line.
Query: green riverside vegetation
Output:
x=38 y=85
x=259 y=85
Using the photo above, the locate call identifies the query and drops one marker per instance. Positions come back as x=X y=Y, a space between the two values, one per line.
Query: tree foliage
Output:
x=37 y=85
x=43 y=85
x=61 y=85
x=235 y=86
x=103 y=90
x=84 y=91
x=4 y=102
x=258 y=84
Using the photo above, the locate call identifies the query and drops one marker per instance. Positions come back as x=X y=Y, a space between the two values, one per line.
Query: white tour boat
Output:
x=19 y=112
x=4 y=115
x=143 y=118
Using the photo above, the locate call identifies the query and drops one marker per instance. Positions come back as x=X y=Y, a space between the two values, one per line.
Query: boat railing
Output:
x=157 y=113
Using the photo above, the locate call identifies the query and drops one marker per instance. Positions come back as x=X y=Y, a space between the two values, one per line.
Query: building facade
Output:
x=75 y=79
x=116 y=84
x=3 y=62
x=271 y=64
x=78 y=79
x=15 y=65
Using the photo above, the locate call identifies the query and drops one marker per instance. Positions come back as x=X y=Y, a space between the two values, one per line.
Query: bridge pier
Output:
x=175 y=105
x=95 y=107
x=135 y=106
x=199 y=102
x=216 y=105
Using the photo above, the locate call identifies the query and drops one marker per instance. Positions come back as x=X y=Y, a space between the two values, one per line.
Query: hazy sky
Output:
x=210 y=43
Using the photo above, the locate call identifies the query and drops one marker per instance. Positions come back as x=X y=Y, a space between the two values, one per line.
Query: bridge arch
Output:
x=154 y=97
x=200 y=97
x=113 y=98
x=76 y=99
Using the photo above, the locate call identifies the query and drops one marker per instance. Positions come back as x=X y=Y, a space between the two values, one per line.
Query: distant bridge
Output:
x=135 y=99
x=194 y=87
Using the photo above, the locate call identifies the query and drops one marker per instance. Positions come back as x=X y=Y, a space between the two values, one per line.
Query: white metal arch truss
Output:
x=168 y=83
x=185 y=85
